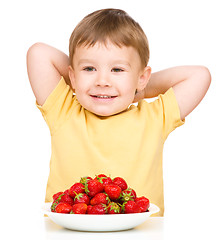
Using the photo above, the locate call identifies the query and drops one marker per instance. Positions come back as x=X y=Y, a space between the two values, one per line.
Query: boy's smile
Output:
x=105 y=78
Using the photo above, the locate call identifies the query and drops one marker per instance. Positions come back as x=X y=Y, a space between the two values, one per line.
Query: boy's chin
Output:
x=107 y=113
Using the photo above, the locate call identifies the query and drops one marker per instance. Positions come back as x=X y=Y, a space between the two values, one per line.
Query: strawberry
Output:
x=103 y=179
x=100 y=198
x=82 y=198
x=53 y=206
x=120 y=182
x=97 y=209
x=63 y=208
x=79 y=208
x=100 y=177
x=131 y=207
x=75 y=189
x=89 y=208
x=127 y=195
x=113 y=191
x=67 y=191
x=114 y=208
x=143 y=203
x=93 y=187
x=56 y=195
x=84 y=180
x=64 y=198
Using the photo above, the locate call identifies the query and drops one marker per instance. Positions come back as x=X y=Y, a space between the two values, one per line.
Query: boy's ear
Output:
x=72 y=77
x=144 y=78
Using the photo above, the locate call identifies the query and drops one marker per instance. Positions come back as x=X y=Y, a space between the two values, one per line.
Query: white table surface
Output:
x=178 y=226
x=152 y=228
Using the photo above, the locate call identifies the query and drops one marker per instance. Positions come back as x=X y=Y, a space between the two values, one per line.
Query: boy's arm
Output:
x=45 y=66
x=190 y=84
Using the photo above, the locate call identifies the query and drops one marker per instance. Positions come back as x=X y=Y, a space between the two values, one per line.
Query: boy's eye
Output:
x=89 y=69
x=117 y=70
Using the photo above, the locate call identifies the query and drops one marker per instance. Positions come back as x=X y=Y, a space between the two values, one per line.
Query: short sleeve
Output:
x=169 y=111
x=56 y=107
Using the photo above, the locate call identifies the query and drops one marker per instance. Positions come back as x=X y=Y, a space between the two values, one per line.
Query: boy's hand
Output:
x=190 y=84
x=45 y=66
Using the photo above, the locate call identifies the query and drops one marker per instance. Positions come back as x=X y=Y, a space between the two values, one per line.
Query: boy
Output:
x=97 y=130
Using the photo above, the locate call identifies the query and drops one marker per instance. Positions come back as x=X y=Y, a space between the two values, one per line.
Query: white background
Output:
x=180 y=33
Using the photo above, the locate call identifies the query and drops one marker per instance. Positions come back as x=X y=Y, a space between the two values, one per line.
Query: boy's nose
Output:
x=103 y=81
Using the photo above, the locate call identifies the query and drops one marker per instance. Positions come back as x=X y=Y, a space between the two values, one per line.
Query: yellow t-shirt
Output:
x=128 y=144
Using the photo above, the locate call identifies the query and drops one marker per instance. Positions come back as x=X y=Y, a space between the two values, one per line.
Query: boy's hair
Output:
x=110 y=24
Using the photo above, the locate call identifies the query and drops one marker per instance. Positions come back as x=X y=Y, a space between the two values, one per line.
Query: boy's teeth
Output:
x=103 y=96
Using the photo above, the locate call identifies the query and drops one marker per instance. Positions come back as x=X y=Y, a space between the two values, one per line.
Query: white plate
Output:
x=107 y=222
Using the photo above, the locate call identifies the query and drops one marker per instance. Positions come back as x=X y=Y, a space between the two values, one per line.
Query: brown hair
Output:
x=110 y=24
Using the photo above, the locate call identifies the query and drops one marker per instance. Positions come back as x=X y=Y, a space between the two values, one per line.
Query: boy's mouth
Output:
x=103 y=96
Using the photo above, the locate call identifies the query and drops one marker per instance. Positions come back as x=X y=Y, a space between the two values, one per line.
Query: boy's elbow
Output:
x=35 y=53
x=205 y=75
x=34 y=48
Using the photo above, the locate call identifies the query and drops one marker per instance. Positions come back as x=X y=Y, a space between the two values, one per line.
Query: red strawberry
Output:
x=143 y=203
x=103 y=179
x=84 y=180
x=53 y=206
x=67 y=191
x=100 y=176
x=63 y=208
x=131 y=207
x=113 y=191
x=82 y=198
x=128 y=194
x=75 y=189
x=56 y=195
x=120 y=182
x=66 y=198
x=107 y=181
x=89 y=208
x=79 y=208
x=100 y=198
x=97 y=209
x=114 y=208
x=93 y=187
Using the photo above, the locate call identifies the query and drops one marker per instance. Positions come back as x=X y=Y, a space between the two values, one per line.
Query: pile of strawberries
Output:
x=101 y=195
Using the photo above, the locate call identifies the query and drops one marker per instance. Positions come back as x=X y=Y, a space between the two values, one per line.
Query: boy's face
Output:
x=105 y=78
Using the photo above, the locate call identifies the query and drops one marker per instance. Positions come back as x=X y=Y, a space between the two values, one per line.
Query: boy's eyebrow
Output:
x=122 y=62
x=86 y=60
